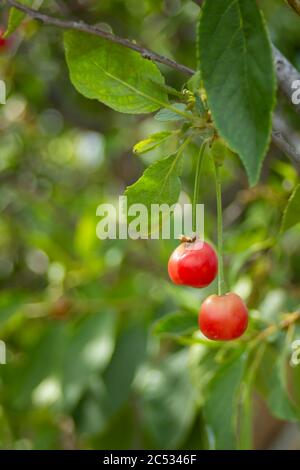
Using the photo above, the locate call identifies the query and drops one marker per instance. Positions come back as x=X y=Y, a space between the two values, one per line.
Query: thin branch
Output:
x=286 y=73
x=281 y=142
x=295 y=4
x=286 y=139
x=96 y=31
x=289 y=320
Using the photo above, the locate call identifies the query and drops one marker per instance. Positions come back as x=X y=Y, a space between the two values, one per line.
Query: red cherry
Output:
x=223 y=318
x=193 y=264
x=3 y=41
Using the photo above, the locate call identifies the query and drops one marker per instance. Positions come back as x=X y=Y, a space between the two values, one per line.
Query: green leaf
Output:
x=238 y=75
x=272 y=384
x=118 y=433
x=11 y=304
x=221 y=405
x=151 y=142
x=179 y=323
x=88 y=352
x=160 y=184
x=152 y=197
x=168 y=400
x=194 y=83
x=106 y=398
x=114 y=75
x=291 y=216
x=14 y=20
x=219 y=151
x=177 y=113
x=128 y=355
x=43 y=361
x=16 y=16
x=6 y=435
x=245 y=437
x=199 y=105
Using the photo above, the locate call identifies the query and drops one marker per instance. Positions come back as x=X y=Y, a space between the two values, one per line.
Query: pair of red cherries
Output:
x=221 y=318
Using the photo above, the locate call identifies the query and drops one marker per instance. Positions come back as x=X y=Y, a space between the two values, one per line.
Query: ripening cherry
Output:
x=3 y=41
x=61 y=308
x=194 y=263
x=224 y=317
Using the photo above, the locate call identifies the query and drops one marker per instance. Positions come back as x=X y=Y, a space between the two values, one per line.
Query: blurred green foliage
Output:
x=78 y=315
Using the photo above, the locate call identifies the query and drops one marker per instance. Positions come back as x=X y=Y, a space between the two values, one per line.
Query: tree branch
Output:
x=295 y=4
x=286 y=72
x=286 y=139
x=282 y=143
x=96 y=31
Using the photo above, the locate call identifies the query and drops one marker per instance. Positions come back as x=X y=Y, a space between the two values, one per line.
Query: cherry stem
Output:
x=221 y=281
x=185 y=239
x=197 y=185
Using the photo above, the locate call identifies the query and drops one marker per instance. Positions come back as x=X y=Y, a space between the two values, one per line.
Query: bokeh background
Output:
x=84 y=368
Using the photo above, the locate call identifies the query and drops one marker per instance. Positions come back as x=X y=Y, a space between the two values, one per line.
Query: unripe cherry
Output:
x=194 y=263
x=224 y=317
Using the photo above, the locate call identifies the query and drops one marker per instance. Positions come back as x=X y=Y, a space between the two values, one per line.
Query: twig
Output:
x=295 y=4
x=95 y=30
x=289 y=142
x=286 y=73
x=280 y=140
x=270 y=330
